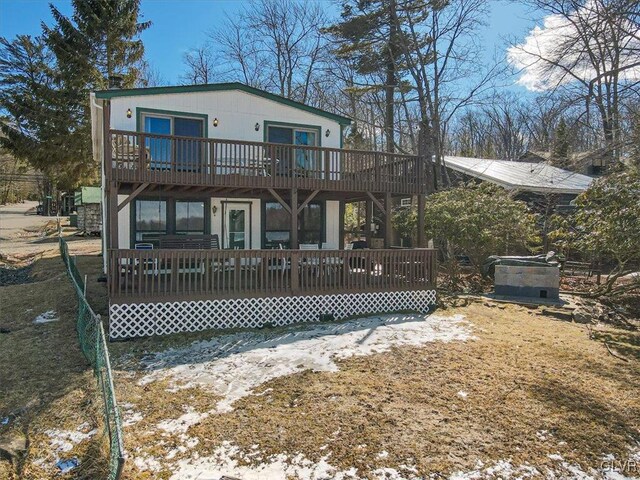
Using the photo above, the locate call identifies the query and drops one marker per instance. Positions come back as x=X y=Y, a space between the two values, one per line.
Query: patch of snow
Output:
x=543 y=435
x=608 y=468
x=232 y=366
x=502 y=469
x=65 y=440
x=147 y=463
x=131 y=418
x=227 y=459
x=183 y=422
x=47 y=317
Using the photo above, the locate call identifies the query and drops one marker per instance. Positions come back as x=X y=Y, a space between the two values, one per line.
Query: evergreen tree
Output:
x=368 y=36
x=45 y=84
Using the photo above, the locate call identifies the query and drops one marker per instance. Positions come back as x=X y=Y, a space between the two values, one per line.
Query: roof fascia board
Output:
x=216 y=87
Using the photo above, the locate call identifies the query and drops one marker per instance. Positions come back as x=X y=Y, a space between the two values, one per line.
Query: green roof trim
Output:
x=217 y=87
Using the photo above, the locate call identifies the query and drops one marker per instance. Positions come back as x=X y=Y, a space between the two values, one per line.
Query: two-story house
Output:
x=224 y=207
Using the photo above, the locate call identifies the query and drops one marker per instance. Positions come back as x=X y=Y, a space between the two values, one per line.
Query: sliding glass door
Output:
x=305 y=161
x=182 y=154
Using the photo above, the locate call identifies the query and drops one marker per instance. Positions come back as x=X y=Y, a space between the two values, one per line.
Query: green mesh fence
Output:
x=94 y=346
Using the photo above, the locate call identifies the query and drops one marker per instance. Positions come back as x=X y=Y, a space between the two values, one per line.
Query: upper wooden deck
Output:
x=134 y=157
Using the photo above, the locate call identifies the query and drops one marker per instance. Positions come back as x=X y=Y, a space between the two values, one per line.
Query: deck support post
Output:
x=388 y=227
x=294 y=219
x=112 y=215
x=368 y=217
x=421 y=234
x=341 y=210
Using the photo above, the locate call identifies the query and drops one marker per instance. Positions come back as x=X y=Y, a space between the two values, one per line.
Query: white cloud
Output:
x=558 y=34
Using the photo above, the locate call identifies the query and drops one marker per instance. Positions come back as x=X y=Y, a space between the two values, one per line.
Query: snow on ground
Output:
x=64 y=440
x=228 y=460
x=232 y=366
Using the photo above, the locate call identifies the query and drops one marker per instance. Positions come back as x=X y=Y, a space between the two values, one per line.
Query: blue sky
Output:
x=181 y=24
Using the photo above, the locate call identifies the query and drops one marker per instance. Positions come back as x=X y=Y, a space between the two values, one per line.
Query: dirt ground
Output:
x=541 y=394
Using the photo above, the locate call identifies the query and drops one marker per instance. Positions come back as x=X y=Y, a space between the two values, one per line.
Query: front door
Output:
x=236 y=227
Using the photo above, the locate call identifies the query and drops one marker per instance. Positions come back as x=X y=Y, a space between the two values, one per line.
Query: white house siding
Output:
x=332 y=221
x=124 y=224
x=237 y=113
x=332 y=224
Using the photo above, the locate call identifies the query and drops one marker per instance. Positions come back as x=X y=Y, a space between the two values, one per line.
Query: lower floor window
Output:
x=277 y=231
x=154 y=218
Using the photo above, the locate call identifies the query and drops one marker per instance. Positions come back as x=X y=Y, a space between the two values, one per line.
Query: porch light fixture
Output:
x=327 y=133
x=215 y=122
x=214 y=209
x=257 y=127
x=129 y=113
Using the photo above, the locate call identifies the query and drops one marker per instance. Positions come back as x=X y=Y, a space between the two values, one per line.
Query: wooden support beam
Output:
x=378 y=203
x=421 y=235
x=281 y=201
x=368 y=218
x=388 y=227
x=132 y=195
x=112 y=214
x=341 y=210
x=294 y=219
x=309 y=198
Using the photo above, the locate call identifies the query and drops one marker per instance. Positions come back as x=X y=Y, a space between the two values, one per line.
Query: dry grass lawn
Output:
x=47 y=388
x=535 y=386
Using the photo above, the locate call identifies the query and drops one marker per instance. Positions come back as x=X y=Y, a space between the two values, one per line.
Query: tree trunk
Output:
x=389 y=117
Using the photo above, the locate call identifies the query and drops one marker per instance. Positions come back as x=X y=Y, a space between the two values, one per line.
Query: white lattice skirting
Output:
x=144 y=319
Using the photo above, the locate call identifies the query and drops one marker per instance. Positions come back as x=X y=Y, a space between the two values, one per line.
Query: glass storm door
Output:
x=237 y=226
x=189 y=153
x=159 y=148
x=305 y=159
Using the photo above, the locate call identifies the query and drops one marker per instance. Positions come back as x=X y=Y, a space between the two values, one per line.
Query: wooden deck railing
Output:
x=167 y=159
x=148 y=275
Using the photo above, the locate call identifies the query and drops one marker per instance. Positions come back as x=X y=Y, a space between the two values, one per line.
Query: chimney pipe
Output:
x=115 y=82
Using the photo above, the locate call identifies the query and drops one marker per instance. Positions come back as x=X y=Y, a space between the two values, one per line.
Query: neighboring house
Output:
x=526 y=179
x=88 y=206
x=224 y=207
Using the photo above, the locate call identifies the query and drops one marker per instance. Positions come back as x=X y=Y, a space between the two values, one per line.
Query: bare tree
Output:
x=439 y=49
x=149 y=76
x=589 y=50
x=275 y=45
x=200 y=66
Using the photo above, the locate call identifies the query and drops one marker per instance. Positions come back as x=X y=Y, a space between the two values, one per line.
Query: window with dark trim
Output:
x=190 y=217
x=153 y=218
x=277 y=225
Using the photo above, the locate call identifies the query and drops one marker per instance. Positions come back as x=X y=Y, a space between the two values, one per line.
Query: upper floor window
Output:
x=166 y=153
